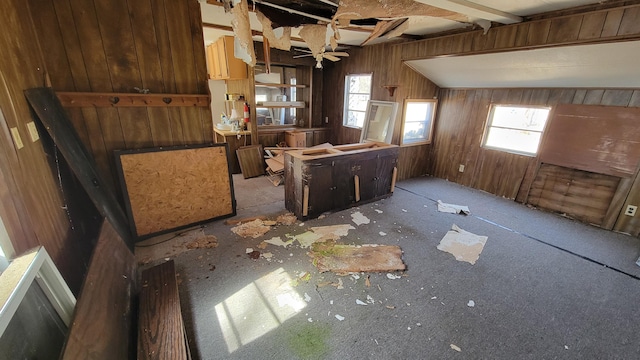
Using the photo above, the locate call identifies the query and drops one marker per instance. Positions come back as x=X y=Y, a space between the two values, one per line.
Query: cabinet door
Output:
x=365 y=169
x=343 y=190
x=321 y=189
x=223 y=69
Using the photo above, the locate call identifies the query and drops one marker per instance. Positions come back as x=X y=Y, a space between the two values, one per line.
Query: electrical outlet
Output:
x=33 y=132
x=631 y=210
x=461 y=168
x=16 y=138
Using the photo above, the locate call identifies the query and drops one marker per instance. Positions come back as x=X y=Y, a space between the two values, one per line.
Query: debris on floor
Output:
x=341 y=258
x=471 y=303
x=455 y=347
x=319 y=234
x=286 y=219
x=253 y=229
x=245 y=220
x=359 y=219
x=203 y=242
x=332 y=232
x=463 y=245
x=339 y=317
x=277 y=241
x=453 y=209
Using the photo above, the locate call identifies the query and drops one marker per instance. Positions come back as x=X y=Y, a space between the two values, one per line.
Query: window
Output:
x=516 y=129
x=357 y=91
x=417 y=122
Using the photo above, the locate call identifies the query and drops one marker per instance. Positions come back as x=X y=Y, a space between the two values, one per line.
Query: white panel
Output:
x=580 y=66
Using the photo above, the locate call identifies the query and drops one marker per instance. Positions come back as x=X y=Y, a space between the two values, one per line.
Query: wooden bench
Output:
x=105 y=317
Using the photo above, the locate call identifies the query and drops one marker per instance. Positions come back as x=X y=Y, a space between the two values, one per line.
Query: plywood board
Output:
x=350 y=258
x=171 y=188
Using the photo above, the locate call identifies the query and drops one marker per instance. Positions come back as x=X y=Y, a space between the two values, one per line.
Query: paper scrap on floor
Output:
x=321 y=234
x=463 y=245
x=453 y=209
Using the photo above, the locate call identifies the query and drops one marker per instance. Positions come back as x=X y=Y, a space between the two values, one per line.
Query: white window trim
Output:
x=345 y=107
x=489 y=121
x=432 y=120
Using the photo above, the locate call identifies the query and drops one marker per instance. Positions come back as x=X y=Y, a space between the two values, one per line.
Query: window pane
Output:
x=355 y=118
x=358 y=102
x=414 y=131
x=513 y=139
x=418 y=116
x=418 y=111
x=360 y=84
x=520 y=117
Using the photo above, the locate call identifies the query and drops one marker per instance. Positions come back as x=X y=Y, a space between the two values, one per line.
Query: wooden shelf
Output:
x=282 y=104
x=281 y=85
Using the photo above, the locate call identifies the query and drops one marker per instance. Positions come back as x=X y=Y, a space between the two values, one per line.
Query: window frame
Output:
x=432 y=118
x=345 y=112
x=489 y=121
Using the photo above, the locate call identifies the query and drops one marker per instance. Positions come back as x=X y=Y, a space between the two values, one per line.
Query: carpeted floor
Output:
x=544 y=287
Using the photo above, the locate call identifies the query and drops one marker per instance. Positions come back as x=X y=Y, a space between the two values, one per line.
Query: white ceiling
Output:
x=579 y=66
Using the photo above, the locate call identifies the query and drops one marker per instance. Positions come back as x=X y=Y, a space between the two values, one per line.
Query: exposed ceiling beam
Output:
x=292 y=11
x=473 y=9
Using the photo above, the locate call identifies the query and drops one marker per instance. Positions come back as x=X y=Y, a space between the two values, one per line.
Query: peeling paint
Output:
x=243 y=43
x=283 y=42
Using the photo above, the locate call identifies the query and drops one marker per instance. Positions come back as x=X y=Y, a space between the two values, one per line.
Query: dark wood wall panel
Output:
x=458 y=135
x=116 y=46
x=413 y=160
x=33 y=205
x=582 y=195
x=600 y=139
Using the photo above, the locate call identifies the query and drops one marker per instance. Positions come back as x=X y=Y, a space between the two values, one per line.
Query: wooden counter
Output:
x=235 y=140
x=271 y=136
x=329 y=179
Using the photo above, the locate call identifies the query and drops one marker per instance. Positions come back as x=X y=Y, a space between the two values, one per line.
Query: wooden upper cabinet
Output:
x=221 y=63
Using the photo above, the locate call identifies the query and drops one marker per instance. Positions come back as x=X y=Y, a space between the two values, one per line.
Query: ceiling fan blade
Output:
x=330 y=57
x=337 y=53
x=300 y=56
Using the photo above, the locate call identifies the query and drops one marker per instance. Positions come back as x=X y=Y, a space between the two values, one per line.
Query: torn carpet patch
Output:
x=354 y=258
x=463 y=245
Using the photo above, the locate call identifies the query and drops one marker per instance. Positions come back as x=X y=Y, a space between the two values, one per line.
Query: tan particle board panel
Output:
x=171 y=188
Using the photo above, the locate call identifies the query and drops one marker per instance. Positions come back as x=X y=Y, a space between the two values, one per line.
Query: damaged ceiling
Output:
x=356 y=20
x=322 y=26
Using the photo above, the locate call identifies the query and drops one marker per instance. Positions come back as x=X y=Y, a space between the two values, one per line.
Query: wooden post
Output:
x=393 y=178
x=356 y=180
x=305 y=201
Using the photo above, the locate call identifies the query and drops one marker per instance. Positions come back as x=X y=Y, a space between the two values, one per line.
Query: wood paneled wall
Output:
x=116 y=46
x=384 y=62
x=462 y=113
x=33 y=207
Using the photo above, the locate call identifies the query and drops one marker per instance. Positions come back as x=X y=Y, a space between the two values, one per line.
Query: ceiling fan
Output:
x=329 y=55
